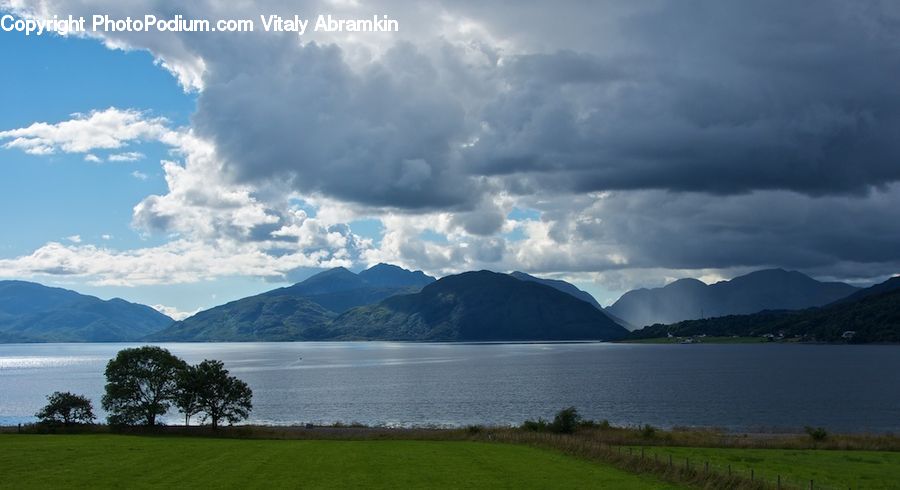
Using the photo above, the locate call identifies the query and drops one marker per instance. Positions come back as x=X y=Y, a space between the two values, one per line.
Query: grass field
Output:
x=65 y=461
x=827 y=468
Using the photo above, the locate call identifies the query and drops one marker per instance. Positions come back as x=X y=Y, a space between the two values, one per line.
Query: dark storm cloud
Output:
x=720 y=97
x=384 y=136
x=760 y=229
x=732 y=134
x=717 y=97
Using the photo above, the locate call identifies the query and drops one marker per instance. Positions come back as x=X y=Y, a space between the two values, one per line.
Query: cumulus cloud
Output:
x=174 y=313
x=653 y=139
x=130 y=156
x=671 y=98
x=177 y=262
x=216 y=228
x=107 y=129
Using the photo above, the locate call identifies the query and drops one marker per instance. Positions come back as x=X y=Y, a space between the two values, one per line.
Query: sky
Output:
x=613 y=144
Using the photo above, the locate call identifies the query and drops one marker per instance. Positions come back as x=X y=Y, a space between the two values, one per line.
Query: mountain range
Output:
x=689 y=299
x=299 y=312
x=479 y=306
x=387 y=302
x=869 y=315
x=390 y=303
x=31 y=312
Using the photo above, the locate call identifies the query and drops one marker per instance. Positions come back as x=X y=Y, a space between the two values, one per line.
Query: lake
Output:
x=737 y=387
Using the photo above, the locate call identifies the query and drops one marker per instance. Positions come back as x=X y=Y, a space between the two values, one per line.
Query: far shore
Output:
x=795 y=438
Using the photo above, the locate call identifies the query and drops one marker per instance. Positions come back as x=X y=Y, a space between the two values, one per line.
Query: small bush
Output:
x=566 y=421
x=539 y=425
x=816 y=433
x=603 y=424
x=64 y=408
x=648 y=431
x=474 y=429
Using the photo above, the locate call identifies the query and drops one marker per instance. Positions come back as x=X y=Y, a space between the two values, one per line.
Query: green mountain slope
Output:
x=258 y=318
x=298 y=312
x=874 y=316
x=31 y=312
x=478 y=306
x=563 y=286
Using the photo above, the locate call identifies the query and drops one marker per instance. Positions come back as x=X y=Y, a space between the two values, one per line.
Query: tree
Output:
x=187 y=398
x=141 y=384
x=67 y=409
x=566 y=421
x=220 y=396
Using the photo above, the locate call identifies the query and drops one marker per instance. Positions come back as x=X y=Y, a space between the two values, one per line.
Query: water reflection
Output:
x=385 y=383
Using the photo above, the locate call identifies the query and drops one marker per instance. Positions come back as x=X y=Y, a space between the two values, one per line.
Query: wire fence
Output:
x=767 y=479
x=685 y=469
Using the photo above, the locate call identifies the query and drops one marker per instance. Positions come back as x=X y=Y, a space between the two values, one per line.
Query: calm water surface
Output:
x=739 y=387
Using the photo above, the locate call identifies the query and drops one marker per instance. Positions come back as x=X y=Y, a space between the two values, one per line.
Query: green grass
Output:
x=828 y=468
x=66 y=461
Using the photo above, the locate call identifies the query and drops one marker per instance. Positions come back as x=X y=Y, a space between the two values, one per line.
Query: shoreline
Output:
x=304 y=431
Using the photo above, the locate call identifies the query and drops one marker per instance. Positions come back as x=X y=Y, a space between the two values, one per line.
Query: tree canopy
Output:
x=67 y=409
x=220 y=397
x=141 y=384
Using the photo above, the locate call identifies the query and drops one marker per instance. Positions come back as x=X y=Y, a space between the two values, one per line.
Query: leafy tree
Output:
x=816 y=433
x=566 y=421
x=187 y=398
x=220 y=396
x=67 y=409
x=141 y=384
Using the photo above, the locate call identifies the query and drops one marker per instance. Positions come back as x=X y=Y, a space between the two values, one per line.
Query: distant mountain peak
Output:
x=560 y=285
x=333 y=272
x=689 y=299
x=385 y=266
x=32 y=312
x=479 y=305
x=390 y=275
x=686 y=282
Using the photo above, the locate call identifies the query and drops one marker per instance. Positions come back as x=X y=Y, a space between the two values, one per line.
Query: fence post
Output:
x=811 y=485
x=706 y=467
x=729 y=470
x=670 y=461
x=642 y=454
x=779 y=482
x=751 y=474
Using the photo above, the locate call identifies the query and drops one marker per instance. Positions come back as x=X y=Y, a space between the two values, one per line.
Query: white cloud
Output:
x=90 y=157
x=440 y=131
x=177 y=262
x=139 y=175
x=107 y=129
x=174 y=313
x=131 y=156
x=74 y=238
